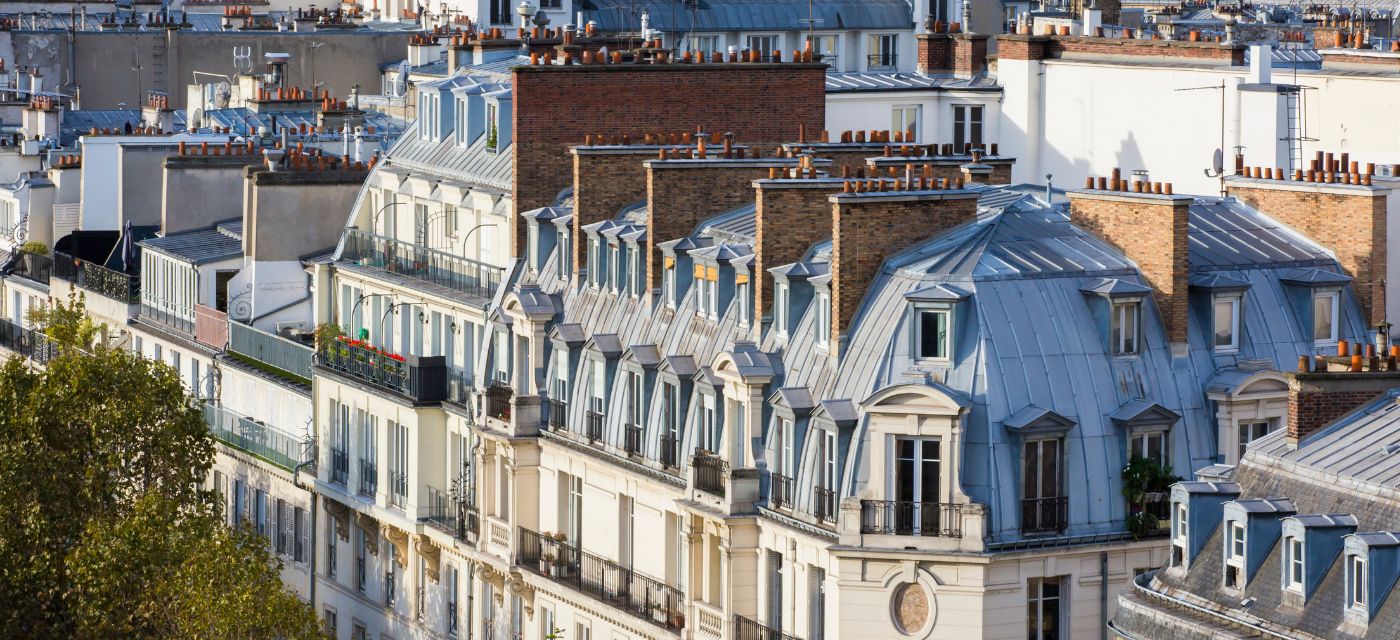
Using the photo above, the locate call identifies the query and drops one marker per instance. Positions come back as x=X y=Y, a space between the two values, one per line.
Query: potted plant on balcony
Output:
x=1145 y=482
x=326 y=334
x=546 y=563
x=678 y=620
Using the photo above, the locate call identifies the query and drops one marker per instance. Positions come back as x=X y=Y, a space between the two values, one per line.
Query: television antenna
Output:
x=811 y=20
x=1218 y=167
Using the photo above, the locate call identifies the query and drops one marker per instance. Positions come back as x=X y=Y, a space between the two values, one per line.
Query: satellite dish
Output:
x=1217 y=163
x=401 y=83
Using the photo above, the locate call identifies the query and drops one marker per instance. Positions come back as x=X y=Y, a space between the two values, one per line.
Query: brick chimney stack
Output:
x=606 y=178
x=1316 y=399
x=1151 y=230
x=792 y=215
x=869 y=226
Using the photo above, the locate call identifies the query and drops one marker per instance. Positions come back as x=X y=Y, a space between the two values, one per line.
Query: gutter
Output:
x=1227 y=619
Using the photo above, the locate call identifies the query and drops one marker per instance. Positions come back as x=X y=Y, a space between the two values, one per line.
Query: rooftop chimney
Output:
x=869 y=226
x=1316 y=399
x=1151 y=230
x=792 y=215
x=606 y=178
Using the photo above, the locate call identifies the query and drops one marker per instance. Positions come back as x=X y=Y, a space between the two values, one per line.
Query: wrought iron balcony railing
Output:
x=824 y=504
x=498 y=397
x=369 y=478
x=632 y=439
x=459 y=274
x=453 y=515
x=750 y=629
x=780 y=493
x=710 y=470
x=30 y=343
x=906 y=518
x=627 y=589
x=881 y=61
x=593 y=426
x=1045 y=515
x=558 y=415
x=420 y=378
x=670 y=452
x=32 y=266
x=122 y=287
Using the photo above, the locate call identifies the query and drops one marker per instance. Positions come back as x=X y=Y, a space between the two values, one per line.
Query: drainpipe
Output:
x=1103 y=595
x=296 y=481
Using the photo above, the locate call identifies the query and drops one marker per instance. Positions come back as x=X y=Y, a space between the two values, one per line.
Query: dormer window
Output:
x=823 y=326
x=668 y=283
x=595 y=271
x=745 y=295
x=1234 y=555
x=1182 y=513
x=932 y=334
x=492 y=133
x=1325 y=307
x=1125 y=327
x=614 y=273
x=1151 y=445
x=780 y=308
x=565 y=256
x=634 y=273
x=1356 y=583
x=708 y=290
x=1226 y=338
x=1293 y=564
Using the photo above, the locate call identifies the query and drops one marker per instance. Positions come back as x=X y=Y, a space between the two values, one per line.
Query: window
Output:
x=361 y=549
x=703 y=45
x=1227 y=323
x=670 y=415
x=917 y=483
x=391 y=575
x=931 y=335
x=398 y=463
x=330 y=549
x=595 y=268
x=330 y=623
x=1124 y=328
x=1151 y=445
x=1043 y=609
x=565 y=256
x=1325 y=316
x=829 y=48
x=420 y=225
x=1181 y=521
x=1236 y=541
x=449 y=586
x=775 y=590
x=1293 y=564
x=782 y=449
x=1234 y=554
x=597 y=383
x=967 y=127
x=626 y=529
x=712 y=292
x=823 y=326
x=1043 y=507
x=614 y=272
x=780 y=308
x=573 y=508
x=1356 y=583
x=634 y=272
x=742 y=295
x=299 y=530
x=1251 y=431
x=668 y=283
x=634 y=398
x=905 y=119
x=491 y=126
x=816 y=608
x=709 y=434
x=883 y=51
x=827 y=479
x=764 y=45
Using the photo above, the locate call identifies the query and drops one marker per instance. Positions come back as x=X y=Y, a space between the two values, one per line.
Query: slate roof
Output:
x=748 y=15
x=242 y=120
x=875 y=81
x=222 y=241
x=203 y=22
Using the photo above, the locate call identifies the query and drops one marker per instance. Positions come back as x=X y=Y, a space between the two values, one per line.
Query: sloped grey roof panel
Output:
x=749 y=15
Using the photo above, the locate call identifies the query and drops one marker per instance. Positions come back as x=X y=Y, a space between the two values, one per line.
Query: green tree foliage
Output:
x=101 y=513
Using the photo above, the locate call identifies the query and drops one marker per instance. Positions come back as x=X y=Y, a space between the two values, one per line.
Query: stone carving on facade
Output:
x=341 y=514
x=370 y=527
x=398 y=538
x=432 y=556
x=497 y=579
x=519 y=587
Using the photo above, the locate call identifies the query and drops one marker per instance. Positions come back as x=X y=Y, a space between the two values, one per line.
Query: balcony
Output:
x=30 y=343
x=632 y=439
x=632 y=591
x=250 y=436
x=432 y=266
x=110 y=283
x=780 y=493
x=824 y=504
x=460 y=389
x=398 y=488
x=340 y=466
x=558 y=415
x=905 y=518
x=498 y=397
x=881 y=61
x=33 y=267
x=670 y=452
x=748 y=629
x=175 y=319
x=710 y=470
x=455 y=516
x=593 y=426
x=420 y=378
x=210 y=326
x=1044 y=515
x=262 y=349
x=369 y=478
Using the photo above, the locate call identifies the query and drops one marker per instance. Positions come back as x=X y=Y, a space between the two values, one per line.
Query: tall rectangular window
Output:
x=764 y=45
x=564 y=256
x=967 y=127
x=1125 y=328
x=668 y=284
x=626 y=527
x=882 y=51
x=709 y=428
x=1227 y=323
x=1325 y=316
x=1042 y=501
x=783 y=444
x=595 y=267
x=635 y=392
x=775 y=590
x=780 y=308
x=823 y=326
x=742 y=297
x=816 y=607
x=905 y=119
x=1356 y=583
x=1151 y=445
x=917 y=484
x=449 y=587
x=1044 y=609
x=932 y=336
x=398 y=463
x=1293 y=563
x=1234 y=554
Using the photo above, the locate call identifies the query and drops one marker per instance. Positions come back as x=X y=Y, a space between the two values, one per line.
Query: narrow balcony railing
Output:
x=421 y=263
x=824 y=504
x=177 y=319
x=906 y=518
x=750 y=629
x=369 y=478
x=632 y=439
x=627 y=589
x=244 y=433
x=398 y=488
x=881 y=61
x=453 y=515
x=420 y=378
x=780 y=493
x=30 y=343
x=340 y=466
x=32 y=266
x=210 y=326
x=498 y=397
x=122 y=287
x=593 y=426
x=1045 y=515
x=670 y=452
x=558 y=415
x=710 y=470
x=271 y=350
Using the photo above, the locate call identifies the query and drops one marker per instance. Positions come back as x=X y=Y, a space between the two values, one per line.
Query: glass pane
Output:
x=1050 y=478
x=1224 y=323
x=1031 y=470
x=1322 y=317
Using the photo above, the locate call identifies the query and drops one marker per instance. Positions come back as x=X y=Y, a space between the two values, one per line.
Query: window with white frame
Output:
x=491 y=126
x=1045 y=609
x=634 y=398
x=1325 y=312
x=1293 y=564
x=597 y=386
x=1150 y=445
x=931 y=334
x=967 y=126
x=615 y=274
x=1235 y=544
x=905 y=119
x=764 y=45
x=829 y=46
x=668 y=283
x=1356 y=583
x=882 y=51
x=595 y=267
x=634 y=271
x=1182 y=513
x=1125 y=328
x=711 y=287
x=780 y=308
x=743 y=295
x=703 y=45
x=823 y=324
x=709 y=428
x=1226 y=337
x=398 y=463
x=782 y=447
x=560 y=391
x=1254 y=430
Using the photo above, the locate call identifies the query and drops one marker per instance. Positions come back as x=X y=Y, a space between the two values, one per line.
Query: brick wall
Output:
x=605 y=180
x=792 y=216
x=1317 y=399
x=555 y=106
x=1348 y=220
x=1152 y=232
x=1022 y=47
x=935 y=53
x=682 y=193
x=867 y=228
x=969 y=54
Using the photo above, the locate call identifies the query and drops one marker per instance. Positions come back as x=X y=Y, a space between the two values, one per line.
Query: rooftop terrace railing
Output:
x=269 y=349
x=122 y=287
x=433 y=266
x=241 y=432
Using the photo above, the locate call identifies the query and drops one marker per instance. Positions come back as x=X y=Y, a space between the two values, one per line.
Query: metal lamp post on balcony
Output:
x=468 y=235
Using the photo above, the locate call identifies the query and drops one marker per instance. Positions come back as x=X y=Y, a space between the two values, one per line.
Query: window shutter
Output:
x=816 y=609
x=775 y=590
x=302 y=536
